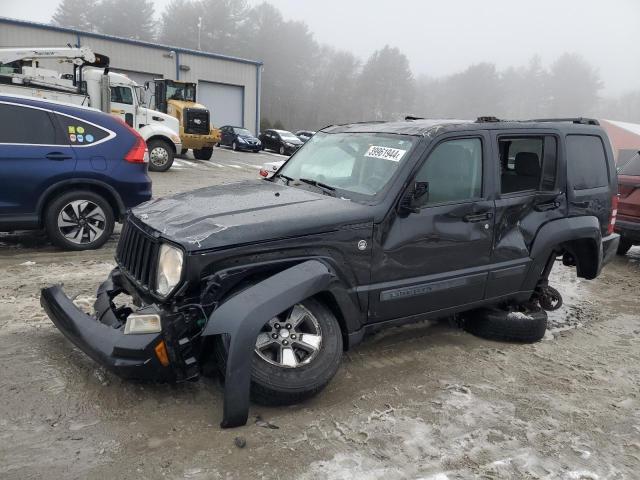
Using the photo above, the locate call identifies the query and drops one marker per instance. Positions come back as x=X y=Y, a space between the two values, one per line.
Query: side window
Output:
x=453 y=171
x=121 y=95
x=24 y=125
x=79 y=132
x=586 y=162
x=521 y=163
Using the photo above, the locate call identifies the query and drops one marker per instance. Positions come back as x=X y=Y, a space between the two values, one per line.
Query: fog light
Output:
x=144 y=323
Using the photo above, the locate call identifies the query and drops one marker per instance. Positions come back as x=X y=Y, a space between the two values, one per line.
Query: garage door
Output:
x=225 y=102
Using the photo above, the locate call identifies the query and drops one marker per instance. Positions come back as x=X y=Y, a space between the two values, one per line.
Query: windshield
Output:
x=287 y=136
x=358 y=163
x=242 y=131
x=181 y=91
x=632 y=167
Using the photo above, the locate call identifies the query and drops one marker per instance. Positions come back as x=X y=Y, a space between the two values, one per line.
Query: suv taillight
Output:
x=138 y=153
x=614 y=214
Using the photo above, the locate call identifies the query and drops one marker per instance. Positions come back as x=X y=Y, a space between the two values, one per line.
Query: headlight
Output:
x=142 y=323
x=288 y=144
x=241 y=140
x=169 y=269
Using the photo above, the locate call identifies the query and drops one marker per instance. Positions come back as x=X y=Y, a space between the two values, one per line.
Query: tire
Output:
x=624 y=246
x=273 y=384
x=160 y=155
x=203 y=153
x=61 y=213
x=497 y=324
x=282 y=150
x=234 y=146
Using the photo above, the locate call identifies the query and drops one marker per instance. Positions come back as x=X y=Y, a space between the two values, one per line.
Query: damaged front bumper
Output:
x=102 y=337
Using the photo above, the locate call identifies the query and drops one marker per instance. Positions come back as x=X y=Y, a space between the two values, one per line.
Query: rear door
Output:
x=531 y=193
x=34 y=154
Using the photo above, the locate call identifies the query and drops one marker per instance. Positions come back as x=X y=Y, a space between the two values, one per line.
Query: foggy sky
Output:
x=443 y=37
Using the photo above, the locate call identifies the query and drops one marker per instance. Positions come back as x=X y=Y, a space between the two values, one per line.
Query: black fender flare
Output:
x=556 y=232
x=243 y=316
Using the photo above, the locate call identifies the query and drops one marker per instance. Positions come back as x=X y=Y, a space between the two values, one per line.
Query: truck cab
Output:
x=178 y=99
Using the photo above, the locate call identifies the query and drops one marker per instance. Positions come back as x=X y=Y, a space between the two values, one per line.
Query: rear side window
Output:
x=632 y=167
x=24 y=125
x=79 y=132
x=587 y=162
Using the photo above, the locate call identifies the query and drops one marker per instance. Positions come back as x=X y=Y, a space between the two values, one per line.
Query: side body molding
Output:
x=243 y=316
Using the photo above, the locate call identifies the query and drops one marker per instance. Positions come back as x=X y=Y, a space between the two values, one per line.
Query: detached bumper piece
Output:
x=103 y=339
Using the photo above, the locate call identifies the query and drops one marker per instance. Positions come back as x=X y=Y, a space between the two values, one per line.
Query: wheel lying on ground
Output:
x=296 y=354
x=528 y=326
x=160 y=155
x=203 y=153
x=624 y=246
x=80 y=220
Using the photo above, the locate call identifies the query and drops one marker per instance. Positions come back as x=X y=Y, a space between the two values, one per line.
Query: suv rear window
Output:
x=79 y=132
x=25 y=125
x=632 y=167
x=587 y=162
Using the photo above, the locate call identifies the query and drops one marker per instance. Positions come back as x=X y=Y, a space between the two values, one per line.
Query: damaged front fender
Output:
x=243 y=316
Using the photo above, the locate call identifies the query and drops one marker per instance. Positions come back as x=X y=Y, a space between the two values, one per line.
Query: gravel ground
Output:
x=423 y=401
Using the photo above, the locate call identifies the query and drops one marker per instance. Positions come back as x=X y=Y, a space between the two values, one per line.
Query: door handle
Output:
x=58 y=156
x=546 y=206
x=478 y=217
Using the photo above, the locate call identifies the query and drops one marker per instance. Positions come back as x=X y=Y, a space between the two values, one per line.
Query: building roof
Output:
x=55 y=28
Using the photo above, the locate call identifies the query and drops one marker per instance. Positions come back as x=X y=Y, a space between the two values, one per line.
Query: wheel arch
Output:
x=96 y=186
x=164 y=139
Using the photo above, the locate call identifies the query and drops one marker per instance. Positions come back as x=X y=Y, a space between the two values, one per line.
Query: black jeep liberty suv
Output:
x=368 y=225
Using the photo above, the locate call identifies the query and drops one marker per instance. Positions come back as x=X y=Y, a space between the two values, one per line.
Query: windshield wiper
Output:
x=326 y=188
x=287 y=178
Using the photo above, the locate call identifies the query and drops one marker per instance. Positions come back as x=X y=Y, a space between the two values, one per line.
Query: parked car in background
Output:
x=269 y=169
x=305 y=135
x=239 y=138
x=71 y=170
x=281 y=141
x=628 y=223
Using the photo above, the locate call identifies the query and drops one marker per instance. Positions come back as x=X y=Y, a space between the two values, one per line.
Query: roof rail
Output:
x=412 y=117
x=579 y=120
x=487 y=120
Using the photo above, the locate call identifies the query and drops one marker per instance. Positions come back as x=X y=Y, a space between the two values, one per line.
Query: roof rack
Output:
x=487 y=120
x=579 y=120
x=412 y=117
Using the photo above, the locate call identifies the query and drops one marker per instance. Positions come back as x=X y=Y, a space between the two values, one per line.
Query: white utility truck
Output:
x=91 y=84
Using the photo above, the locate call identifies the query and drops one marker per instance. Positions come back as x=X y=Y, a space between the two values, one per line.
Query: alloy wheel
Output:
x=290 y=340
x=82 y=222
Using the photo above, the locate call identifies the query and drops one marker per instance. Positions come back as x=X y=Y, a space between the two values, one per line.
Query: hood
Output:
x=159 y=118
x=247 y=212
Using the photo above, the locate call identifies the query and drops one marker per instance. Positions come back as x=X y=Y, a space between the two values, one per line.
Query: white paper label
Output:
x=386 y=153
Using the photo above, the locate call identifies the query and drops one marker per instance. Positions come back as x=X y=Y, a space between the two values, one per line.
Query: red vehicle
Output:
x=628 y=220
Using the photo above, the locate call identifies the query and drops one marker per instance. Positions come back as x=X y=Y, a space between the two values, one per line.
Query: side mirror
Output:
x=409 y=202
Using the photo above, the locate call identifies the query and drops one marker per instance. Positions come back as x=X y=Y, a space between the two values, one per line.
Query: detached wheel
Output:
x=296 y=354
x=80 y=220
x=496 y=324
x=160 y=155
x=624 y=246
x=203 y=153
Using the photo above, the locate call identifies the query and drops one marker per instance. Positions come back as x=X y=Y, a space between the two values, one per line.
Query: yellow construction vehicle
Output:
x=178 y=99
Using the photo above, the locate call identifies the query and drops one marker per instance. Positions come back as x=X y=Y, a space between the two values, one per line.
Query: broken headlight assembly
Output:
x=169 y=272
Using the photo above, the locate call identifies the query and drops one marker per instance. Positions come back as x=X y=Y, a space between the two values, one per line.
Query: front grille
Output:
x=137 y=254
x=196 y=121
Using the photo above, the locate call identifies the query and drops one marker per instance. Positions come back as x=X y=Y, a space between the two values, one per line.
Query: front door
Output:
x=122 y=104
x=437 y=257
x=34 y=154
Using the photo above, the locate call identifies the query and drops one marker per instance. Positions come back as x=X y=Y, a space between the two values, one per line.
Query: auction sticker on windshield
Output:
x=385 y=153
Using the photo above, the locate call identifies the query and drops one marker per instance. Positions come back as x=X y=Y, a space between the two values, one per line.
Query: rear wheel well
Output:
x=91 y=187
x=583 y=253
